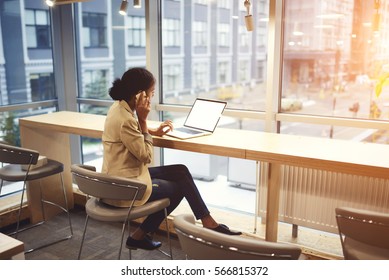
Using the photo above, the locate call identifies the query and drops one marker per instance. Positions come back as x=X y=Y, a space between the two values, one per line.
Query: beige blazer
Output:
x=127 y=152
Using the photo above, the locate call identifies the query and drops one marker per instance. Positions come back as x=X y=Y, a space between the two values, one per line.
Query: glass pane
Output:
x=10 y=133
x=23 y=78
x=29 y=77
x=43 y=36
x=336 y=64
x=86 y=37
x=104 y=56
x=42 y=86
x=30 y=17
x=92 y=148
x=335 y=56
x=94 y=37
x=222 y=61
x=41 y=17
x=95 y=26
x=31 y=37
x=95 y=84
x=216 y=174
x=233 y=59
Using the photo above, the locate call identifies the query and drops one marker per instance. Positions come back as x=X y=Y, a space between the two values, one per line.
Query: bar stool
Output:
x=18 y=166
x=99 y=186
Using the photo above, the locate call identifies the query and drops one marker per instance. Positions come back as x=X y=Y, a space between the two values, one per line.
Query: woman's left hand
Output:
x=163 y=128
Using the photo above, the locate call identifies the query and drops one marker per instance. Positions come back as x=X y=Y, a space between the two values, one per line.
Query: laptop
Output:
x=201 y=120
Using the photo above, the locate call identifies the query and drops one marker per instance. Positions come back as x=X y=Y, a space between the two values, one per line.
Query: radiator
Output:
x=308 y=197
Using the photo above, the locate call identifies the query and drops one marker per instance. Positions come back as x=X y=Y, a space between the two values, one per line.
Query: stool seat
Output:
x=101 y=211
x=15 y=172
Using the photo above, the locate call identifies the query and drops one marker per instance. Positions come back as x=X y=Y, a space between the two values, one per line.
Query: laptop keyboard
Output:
x=187 y=130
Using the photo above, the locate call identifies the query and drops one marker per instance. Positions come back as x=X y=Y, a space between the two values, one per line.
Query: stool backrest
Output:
x=204 y=244
x=17 y=155
x=101 y=185
x=364 y=234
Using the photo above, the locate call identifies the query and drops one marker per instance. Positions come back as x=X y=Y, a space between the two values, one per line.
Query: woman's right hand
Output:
x=142 y=106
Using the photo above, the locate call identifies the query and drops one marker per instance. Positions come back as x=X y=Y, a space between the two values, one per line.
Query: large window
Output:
x=27 y=85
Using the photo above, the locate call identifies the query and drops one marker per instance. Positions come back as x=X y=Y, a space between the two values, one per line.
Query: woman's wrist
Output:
x=143 y=126
x=152 y=131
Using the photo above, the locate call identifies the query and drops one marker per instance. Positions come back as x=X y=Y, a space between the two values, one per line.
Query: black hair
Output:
x=132 y=82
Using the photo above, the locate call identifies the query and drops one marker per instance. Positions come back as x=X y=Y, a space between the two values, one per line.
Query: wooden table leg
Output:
x=257 y=191
x=273 y=201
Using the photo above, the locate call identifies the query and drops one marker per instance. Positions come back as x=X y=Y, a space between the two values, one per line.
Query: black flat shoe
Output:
x=145 y=244
x=225 y=230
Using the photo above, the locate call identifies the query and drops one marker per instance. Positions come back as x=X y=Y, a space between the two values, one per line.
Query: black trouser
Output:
x=174 y=182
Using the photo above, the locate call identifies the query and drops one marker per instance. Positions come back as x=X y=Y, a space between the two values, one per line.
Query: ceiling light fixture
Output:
x=248 y=18
x=137 y=4
x=123 y=8
x=50 y=3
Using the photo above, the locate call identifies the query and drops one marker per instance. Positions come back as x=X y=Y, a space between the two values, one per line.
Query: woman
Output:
x=128 y=149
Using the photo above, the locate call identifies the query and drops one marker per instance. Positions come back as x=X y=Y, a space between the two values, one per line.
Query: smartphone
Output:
x=141 y=95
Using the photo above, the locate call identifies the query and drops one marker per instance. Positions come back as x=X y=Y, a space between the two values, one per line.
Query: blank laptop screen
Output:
x=205 y=114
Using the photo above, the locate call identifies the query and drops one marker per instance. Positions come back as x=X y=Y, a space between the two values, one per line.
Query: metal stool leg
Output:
x=168 y=235
x=66 y=205
x=170 y=254
x=121 y=240
x=20 y=211
x=83 y=237
x=129 y=231
x=65 y=209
